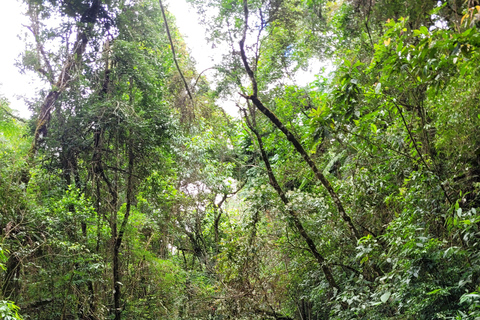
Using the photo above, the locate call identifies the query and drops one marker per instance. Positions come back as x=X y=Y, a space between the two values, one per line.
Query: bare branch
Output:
x=35 y=30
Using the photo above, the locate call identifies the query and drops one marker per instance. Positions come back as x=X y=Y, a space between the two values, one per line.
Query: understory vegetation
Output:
x=132 y=194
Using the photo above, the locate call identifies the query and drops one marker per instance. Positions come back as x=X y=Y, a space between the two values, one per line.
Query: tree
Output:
x=355 y=196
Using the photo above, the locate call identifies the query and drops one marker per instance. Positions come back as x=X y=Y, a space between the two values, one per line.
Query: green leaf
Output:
x=469 y=297
x=424 y=30
x=433 y=292
x=385 y=296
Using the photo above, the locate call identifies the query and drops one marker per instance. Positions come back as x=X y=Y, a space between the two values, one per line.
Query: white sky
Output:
x=14 y=85
x=193 y=33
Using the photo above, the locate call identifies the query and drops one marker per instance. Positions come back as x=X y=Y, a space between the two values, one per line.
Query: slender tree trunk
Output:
x=290 y=137
x=172 y=47
x=119 y=237
x=116 y=280
x=318 y=174
x=293 y=215
x=218 y=215
x=10 y=286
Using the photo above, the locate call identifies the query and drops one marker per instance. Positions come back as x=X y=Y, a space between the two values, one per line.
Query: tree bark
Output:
x=119 y=238
x=293 y=215
x=290 y=137
x=173 y=51
x=63 y=80
x=217 y=209
x=12 y=272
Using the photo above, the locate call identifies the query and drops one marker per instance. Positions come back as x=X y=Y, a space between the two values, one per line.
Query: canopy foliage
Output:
x=132 y=194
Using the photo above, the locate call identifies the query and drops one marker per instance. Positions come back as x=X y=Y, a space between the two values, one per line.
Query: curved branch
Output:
x=173 y=51
x=8 y=113
x=200 y=74
x=290 y=137
x=293 y=215
x=250 y=73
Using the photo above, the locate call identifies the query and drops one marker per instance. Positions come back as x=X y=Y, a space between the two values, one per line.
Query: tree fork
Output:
x=65 y=76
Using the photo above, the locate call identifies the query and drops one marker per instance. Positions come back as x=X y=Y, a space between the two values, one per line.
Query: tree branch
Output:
x=290 y=137
x=293 y=215
x=12 y=115
x=173 y=51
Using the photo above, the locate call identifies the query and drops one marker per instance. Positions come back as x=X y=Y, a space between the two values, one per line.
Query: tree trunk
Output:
x=290 y=137
x=89 y=17
x=119 y=238
x=12 y=272
x=293 y=215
